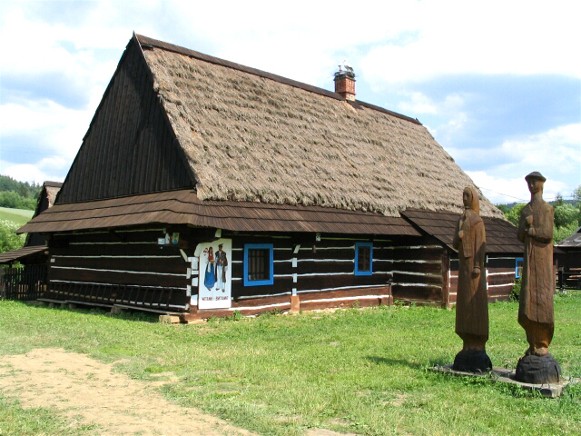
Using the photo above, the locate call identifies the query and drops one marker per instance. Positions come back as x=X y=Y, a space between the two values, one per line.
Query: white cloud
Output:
x=36 y=172
x=391 y=44
x=492 y=37
x=59 y=130
x=555 y=153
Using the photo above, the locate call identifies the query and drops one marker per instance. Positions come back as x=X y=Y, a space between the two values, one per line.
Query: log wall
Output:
x=129 y=267
x=500 y=277
x=123 y=267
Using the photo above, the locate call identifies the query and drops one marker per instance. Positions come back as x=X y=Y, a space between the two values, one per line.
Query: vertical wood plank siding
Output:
x=129 y=113
x=24 y=282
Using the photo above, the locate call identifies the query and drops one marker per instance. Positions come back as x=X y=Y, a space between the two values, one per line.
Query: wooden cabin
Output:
x=204 y=187
x=568 y=259
x=23 y=272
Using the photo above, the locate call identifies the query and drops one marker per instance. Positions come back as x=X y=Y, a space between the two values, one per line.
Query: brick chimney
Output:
x=345 y=82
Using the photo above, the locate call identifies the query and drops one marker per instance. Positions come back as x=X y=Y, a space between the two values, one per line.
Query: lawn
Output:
x=362 y=371
x=19 y=216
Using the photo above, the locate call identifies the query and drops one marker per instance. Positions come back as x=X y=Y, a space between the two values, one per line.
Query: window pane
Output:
x=364 y=258
x=259 y=264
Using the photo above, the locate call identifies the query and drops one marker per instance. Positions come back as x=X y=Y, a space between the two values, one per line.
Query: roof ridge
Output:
x=147 y=42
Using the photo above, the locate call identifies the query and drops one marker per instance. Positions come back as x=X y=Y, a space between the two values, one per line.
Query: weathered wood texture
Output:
x=129 y=267
x=347 y=298
x=500 y=277
x=569 y=267
x=126 y=267
x=129 y=147
x=25 y=282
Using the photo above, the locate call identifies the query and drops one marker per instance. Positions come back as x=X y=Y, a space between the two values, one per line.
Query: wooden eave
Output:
x=21 y=253
x=501 y=235
x=182 y=207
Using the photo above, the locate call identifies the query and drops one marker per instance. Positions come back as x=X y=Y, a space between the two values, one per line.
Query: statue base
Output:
x=476 y=361
x=537 y=369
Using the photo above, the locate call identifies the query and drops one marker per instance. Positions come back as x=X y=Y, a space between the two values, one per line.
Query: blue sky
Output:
x=497 y=83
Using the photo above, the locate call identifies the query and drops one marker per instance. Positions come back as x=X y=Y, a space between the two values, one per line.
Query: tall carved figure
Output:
x=536 y=312
x=472 y=297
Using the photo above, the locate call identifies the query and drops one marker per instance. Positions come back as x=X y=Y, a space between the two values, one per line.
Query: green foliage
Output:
x=9 y=240
x=567 y=215
x=515 y=293
x=561 y=233
x=513 y=214
x=18 y=216
x=18 y=195
x=13 y=200
x=351 y=371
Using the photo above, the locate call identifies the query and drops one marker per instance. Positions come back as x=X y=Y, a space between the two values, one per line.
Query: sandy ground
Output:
x=86 y=391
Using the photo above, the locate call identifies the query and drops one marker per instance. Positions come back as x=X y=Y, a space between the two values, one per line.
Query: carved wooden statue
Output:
x=536 y=312
x=472 y=297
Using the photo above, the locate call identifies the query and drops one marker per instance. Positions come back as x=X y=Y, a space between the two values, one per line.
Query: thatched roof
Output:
x=256 y=137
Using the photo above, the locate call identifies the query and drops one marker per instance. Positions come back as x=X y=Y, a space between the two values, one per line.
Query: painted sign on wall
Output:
x=215 y=279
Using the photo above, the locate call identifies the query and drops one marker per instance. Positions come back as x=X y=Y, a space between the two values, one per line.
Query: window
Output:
x=363 y=258
x=258 y=263
x=518 y=267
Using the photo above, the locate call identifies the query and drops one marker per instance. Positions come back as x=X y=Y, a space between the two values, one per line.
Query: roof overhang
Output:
x=21 y=253
x=501 y=235
x=184 y=208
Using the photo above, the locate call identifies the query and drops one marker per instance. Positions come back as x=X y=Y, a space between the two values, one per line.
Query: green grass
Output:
x=19 y=216
x=361 y=371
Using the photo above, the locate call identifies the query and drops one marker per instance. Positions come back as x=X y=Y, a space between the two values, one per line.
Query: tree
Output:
x=9 y=240
x=567 y=216
x=513 y=215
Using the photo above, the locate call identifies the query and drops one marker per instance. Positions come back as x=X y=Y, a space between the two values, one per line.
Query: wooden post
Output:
x=445 y=280
x=295 y=304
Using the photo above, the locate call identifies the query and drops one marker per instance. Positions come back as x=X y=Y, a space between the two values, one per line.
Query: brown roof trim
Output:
x=146 y=42
x=14 y=255
x=183 y=207
x=501 y=235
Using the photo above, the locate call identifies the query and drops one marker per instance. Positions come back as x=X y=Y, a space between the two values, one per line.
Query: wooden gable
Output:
x=130 y=147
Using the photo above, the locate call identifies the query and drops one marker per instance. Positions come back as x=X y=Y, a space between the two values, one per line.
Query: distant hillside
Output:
x=18 y=216
x=18 y=195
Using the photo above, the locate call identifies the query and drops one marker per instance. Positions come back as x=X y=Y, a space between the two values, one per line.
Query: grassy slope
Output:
x=351 y=371
x=19 y=216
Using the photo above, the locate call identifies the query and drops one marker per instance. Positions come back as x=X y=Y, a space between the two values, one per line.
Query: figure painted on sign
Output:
x=209 y=272
x=221 y=266
x=472 y=297
x=536 y=312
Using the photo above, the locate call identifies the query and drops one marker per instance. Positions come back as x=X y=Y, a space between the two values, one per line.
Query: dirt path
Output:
x=86 y=391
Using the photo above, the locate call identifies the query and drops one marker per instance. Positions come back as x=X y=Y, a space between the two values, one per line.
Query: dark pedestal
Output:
x=538 y=369
x=472 y=361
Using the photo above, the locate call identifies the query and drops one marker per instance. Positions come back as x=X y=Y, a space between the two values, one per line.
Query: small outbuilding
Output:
x=23 y=272
x=204 y=187
x=568 y=260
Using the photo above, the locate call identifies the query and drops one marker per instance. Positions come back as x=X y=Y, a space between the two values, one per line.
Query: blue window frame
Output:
x=363 y=258
x=518 y=264
x=258 y=264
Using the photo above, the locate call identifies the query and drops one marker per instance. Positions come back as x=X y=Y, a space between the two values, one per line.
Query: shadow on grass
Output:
x=406 y=363
x=127 y=314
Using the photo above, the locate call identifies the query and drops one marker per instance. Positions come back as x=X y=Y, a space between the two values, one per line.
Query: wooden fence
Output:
x=24 y=282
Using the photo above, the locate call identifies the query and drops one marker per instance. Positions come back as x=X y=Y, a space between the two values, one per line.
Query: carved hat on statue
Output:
x=535 y=175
